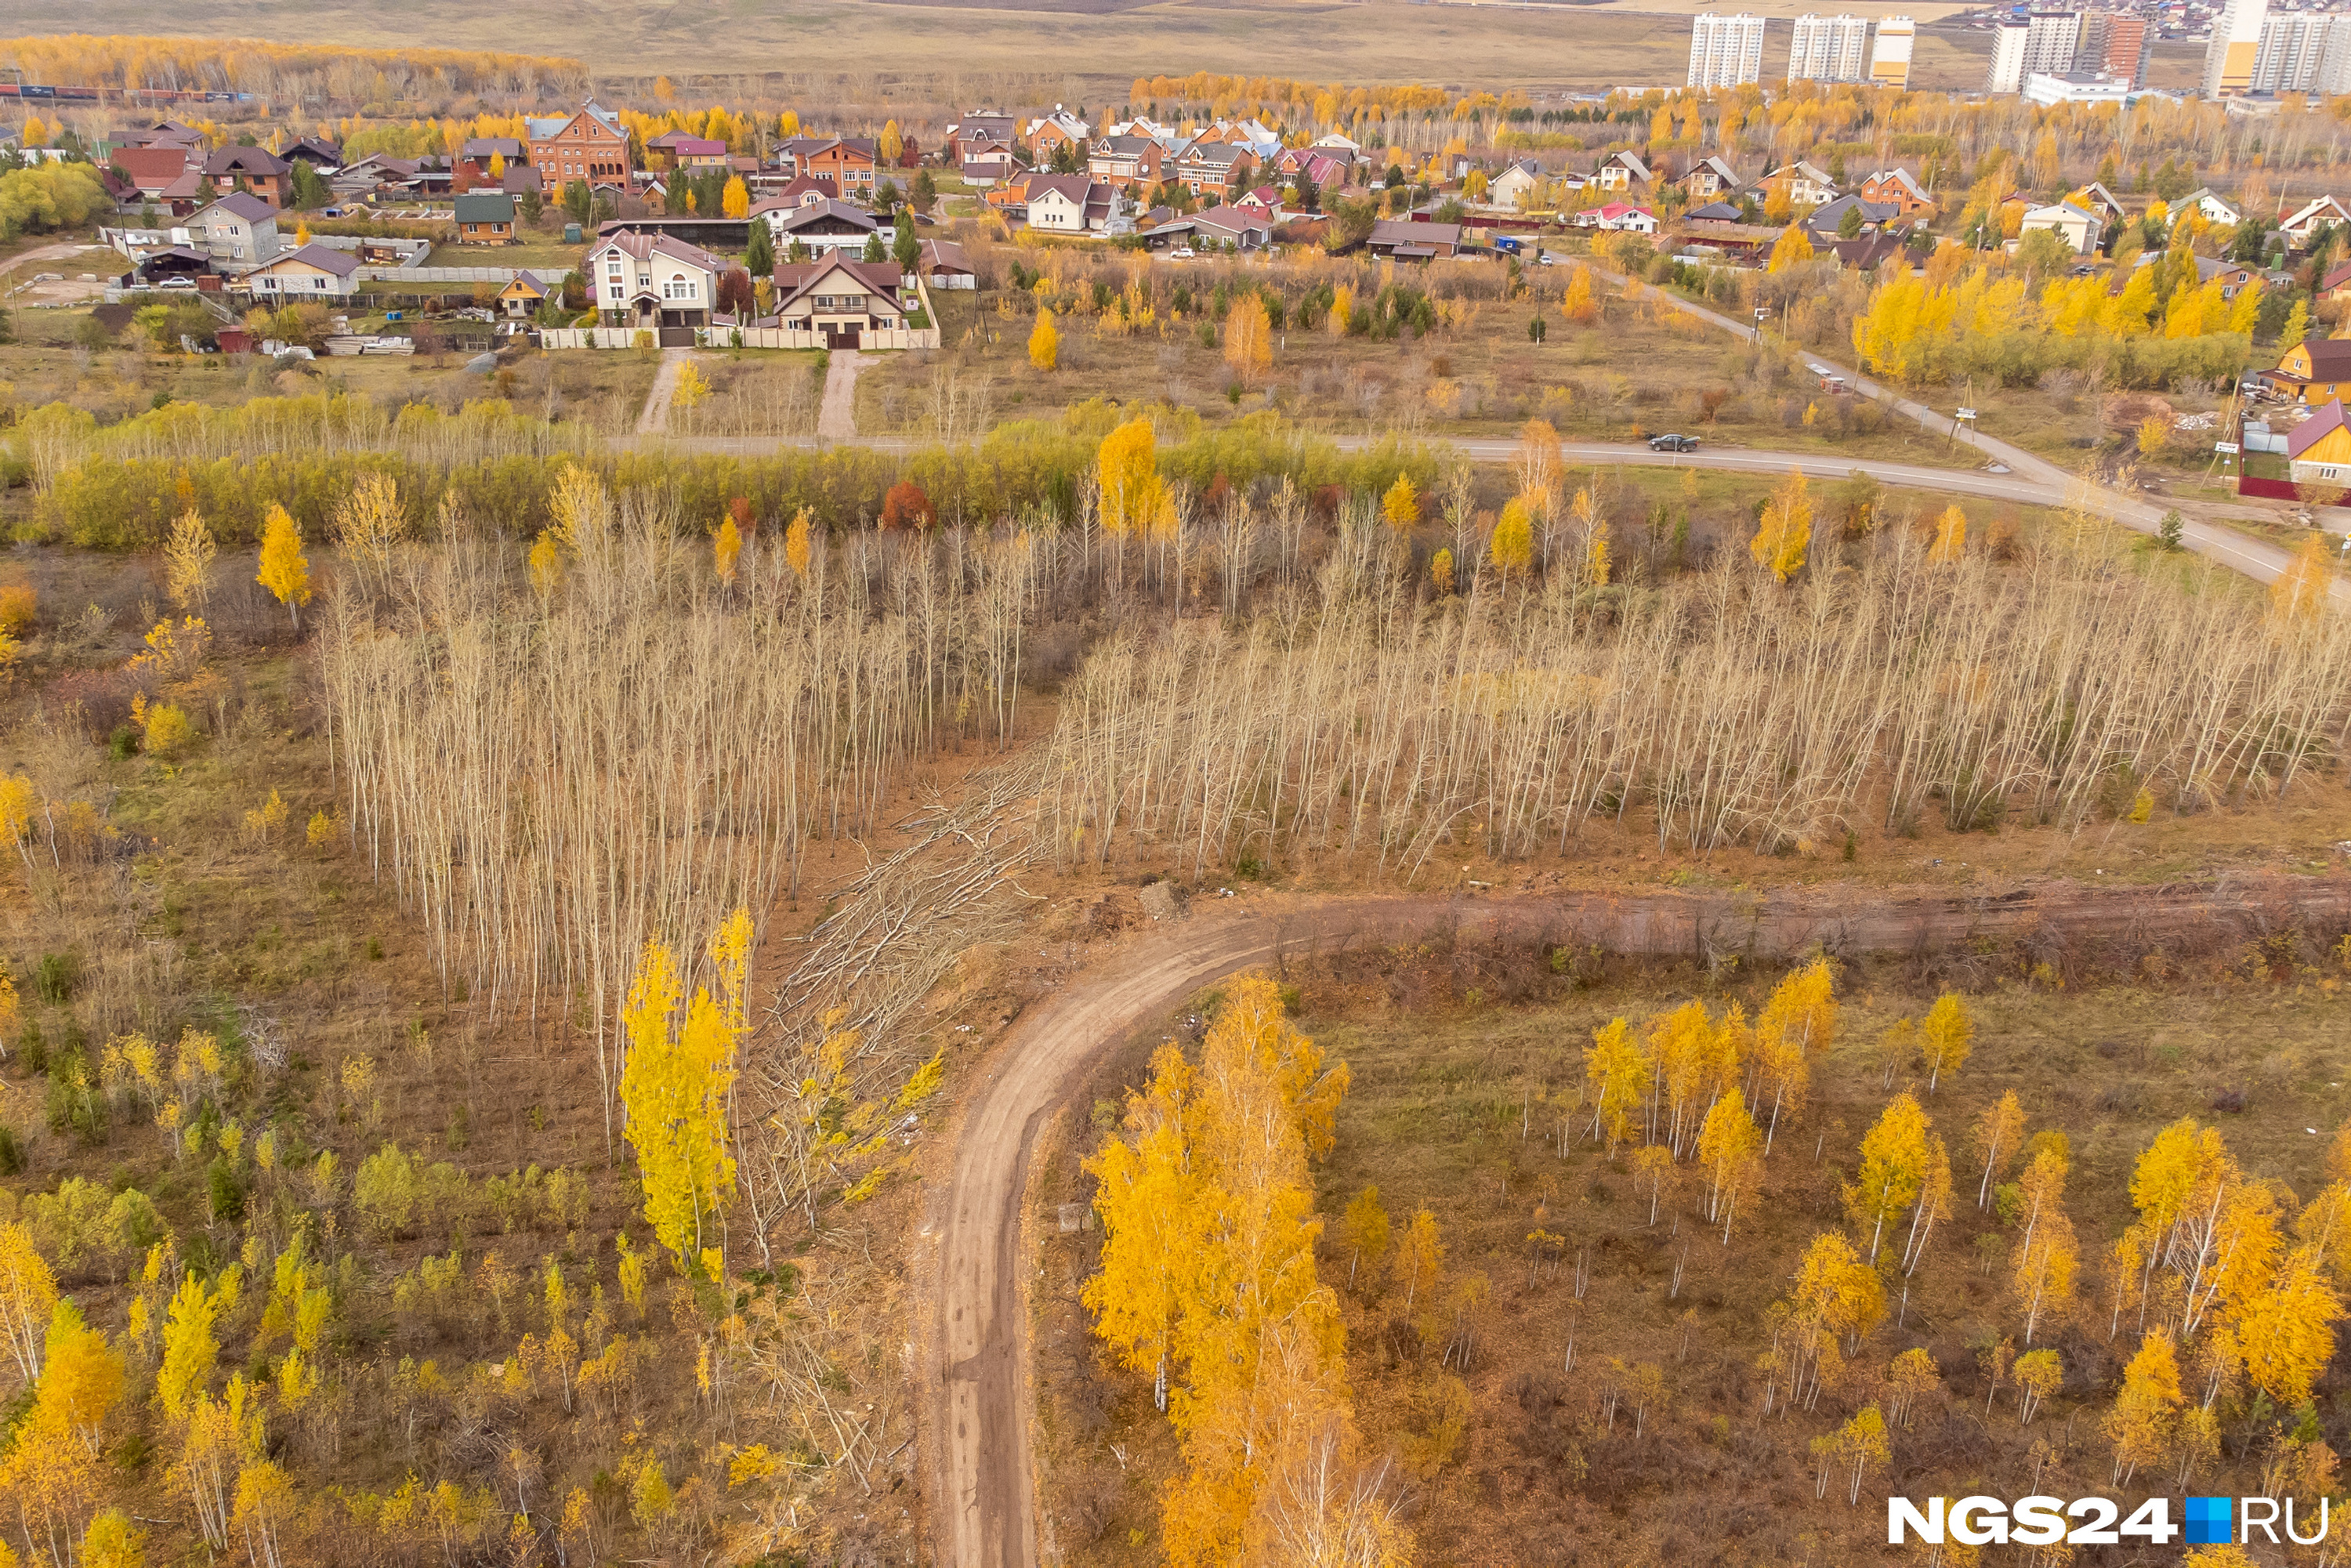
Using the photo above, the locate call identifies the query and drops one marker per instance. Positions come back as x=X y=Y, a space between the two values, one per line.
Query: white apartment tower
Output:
x=1829 y=48
x=2041 y=44
x=2303 y=51
x=2235 y=49
x=1726 y=51
x=1890 y=59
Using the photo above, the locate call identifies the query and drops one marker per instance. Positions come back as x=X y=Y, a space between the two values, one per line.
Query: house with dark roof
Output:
x=476 y=157
x=320 y=155
x=253 y=169
x=1132 y=162
x=1214 y=171
x=979 y=128
x=678 y=150
x=1826 y=222
x=313 y=272
x=2315 y=371
x=941 y=263
x=841 y=301
x=486 y=217
x=1073 y=203
x=822 y=225
x=1410 y=239
x=154 y=171
x=240 y=229
x=2319 y=450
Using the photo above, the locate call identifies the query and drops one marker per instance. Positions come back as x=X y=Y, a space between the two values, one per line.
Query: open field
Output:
x=973 y=51
x=1466 y=1100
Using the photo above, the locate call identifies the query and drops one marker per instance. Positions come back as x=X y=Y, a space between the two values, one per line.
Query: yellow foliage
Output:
x=285 y=569
x=1044 y=342
x=1512 y=547
x=725 y=549
x=1792 y=248
x=675 y=1084
x=795 y=543
x=1951 y=536
x=2301 y=590
x=1785 y=530
x=1126 y=468
x=1400 y=506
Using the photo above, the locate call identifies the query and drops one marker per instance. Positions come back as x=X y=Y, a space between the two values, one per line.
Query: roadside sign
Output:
x=2230 y=446
x=1966 y=413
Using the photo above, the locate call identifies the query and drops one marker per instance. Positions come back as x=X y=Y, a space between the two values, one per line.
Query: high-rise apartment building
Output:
x=2041 y=44
x=2287 y=56
x=1889 y=57
x=1726 y=51
x=2236 y=47
x=2118 y=45
x=1829 y=48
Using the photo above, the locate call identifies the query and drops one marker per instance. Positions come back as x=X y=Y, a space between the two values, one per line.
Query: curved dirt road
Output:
x=981 y=1486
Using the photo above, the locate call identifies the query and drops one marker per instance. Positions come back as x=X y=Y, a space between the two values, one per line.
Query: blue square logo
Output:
x=2211 y=1520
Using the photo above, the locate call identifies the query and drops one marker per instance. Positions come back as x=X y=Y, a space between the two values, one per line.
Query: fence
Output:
x=596 y=338
x=497 y=274
x=748 y=337
x=2271 y=490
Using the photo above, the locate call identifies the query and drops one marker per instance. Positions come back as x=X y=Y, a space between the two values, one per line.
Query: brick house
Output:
x=650 y=281
x=1130 y=162
x=841 y=300
x=472 y=168
x=1052 y=132
x=588 y=145
x=1213 y=172
x=848 y=163
x=1898 y=189
x=253 y=169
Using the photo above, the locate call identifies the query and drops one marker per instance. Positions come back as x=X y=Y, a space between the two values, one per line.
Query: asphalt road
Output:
x=981 y=1479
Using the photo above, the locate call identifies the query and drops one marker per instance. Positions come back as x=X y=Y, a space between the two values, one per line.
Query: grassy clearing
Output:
x=1458 y=1102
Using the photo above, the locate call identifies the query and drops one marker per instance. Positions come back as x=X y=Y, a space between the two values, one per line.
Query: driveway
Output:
x=836 y=420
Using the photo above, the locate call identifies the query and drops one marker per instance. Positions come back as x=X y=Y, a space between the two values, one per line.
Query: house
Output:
x=376 y=172
x=1715 y=213
x=2095 y=198
x=1621 y=217
x=1897 y=188
x=313 y=272
x=1304 y=162
x=979 y=128
x=1827 y=220
x=2210 y=203
x=1132 y=162
x=848 y=161
x=989 y=162
x=322 y=156
x=2232 y=276
x=2318 y=451
x=253 y=169
x=1049 y=133
x=1518 y=183
x=1407 y=239
x=1865 y=254
x=2077 y=227
x=1806 y=184
x=650 y=281
x=238 y=228
x=478 y=155
x=1071 y=204
x=2315 y=371
x=156 y=171
x=1622 y=172
x=841 y=300
x=172 y=261
x=486 y=217
x=684 y=150
x=2302 y=225
x=822 y=224
x=800 y=192
x=157 y=132
x=941 y=264
x=531 y=288
x=1214 y=171
x=2336 y=284
x=1335 y=143
x=1234 y=228
x=589 y=144
x=1710 y=179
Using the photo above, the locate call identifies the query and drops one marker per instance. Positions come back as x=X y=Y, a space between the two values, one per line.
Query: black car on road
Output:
x=1673 y=444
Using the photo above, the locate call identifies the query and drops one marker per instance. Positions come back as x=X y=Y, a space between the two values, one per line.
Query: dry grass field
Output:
x=954 y=52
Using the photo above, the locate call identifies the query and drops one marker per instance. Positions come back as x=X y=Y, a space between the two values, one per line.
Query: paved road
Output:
x=981 y=1479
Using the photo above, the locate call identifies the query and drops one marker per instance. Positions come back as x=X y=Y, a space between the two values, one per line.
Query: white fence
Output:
x=747 y=337
x=497 y=274
x=598 y=338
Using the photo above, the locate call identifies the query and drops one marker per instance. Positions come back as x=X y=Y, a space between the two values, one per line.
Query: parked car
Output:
x=1673 y=444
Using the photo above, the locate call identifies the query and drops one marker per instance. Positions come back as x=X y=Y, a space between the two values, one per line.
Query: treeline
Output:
x=255 y=64
x=120 y=488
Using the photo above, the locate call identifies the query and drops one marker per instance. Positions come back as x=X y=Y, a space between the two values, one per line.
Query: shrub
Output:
x=223 y=1194
x=56 y=977
x=386 y=1191
x=19 y=607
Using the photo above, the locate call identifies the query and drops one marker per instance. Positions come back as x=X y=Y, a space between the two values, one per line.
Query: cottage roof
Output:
x=341 y=263
x=486 y=207
x=241 y=204
x=2310 y=431
x=794 y=279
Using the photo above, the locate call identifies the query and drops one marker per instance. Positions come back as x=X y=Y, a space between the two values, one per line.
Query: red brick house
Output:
x=472 y=168
x=253 y=169
x=848 y=161
x=1213 y=171
x=589 y=145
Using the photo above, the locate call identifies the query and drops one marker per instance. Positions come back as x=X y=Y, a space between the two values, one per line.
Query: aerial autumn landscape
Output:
x=1203 y=782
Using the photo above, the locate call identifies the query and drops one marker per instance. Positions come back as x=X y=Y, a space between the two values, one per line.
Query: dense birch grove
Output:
x=1717 y=709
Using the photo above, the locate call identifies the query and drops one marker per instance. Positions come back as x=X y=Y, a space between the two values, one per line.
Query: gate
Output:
x=678 y=337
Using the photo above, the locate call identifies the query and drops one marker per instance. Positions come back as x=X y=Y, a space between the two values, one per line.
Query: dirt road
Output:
x=982 y=1488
